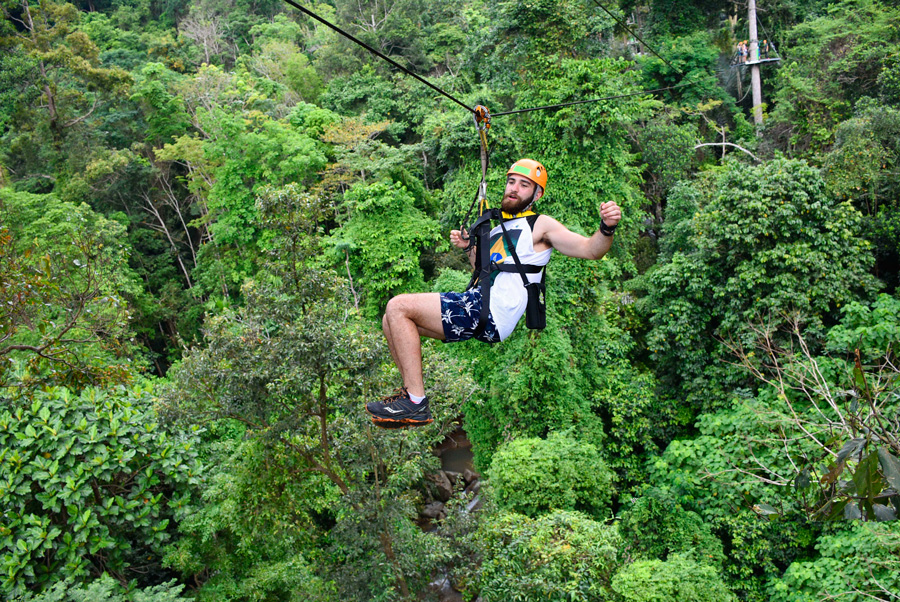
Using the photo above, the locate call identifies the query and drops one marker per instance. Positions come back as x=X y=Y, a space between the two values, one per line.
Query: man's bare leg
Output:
x=386 y=328
x=407 y=319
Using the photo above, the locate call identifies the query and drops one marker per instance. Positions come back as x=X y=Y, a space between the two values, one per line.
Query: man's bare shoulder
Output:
x=544 y=229
x=572 y=244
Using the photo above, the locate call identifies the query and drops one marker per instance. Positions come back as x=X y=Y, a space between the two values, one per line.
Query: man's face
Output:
x=520 y=192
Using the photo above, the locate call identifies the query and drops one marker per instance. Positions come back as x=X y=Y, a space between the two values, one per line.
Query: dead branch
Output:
x=724 y=144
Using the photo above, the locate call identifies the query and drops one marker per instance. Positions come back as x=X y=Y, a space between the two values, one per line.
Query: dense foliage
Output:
x=533 y=476
x=205 y=207
x=91 y=483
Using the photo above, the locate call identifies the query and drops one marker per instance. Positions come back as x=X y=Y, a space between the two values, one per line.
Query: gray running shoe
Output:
x=396 y=410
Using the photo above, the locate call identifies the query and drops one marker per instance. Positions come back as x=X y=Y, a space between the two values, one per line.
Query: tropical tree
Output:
x=382 y=241
x=72 y=85
x=855 y=562
x=753 y=244
x=558 y=556
x=66 y=286
x=830 y=63
x=679 y=578
x=534 y=476
x=295 y=365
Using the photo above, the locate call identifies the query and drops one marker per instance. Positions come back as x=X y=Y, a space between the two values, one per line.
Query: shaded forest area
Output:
x=205 y=206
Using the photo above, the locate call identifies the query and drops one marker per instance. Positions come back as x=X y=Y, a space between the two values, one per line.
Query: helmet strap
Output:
x=530 y=202
x=533 y=195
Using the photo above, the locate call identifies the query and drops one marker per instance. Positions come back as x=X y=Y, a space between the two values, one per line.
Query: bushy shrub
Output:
x=106 y=589
x=657 y=527
x=859 y=561
x=758 y=550
x=562 y=556
x=872 y=328
x=532 y=476
x=678 y=579
x=88 y=484
x=383 y=240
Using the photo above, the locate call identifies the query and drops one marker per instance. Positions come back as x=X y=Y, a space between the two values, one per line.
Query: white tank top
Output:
x=508 y=296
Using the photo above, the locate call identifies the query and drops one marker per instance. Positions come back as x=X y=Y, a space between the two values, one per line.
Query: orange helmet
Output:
x=531 y=169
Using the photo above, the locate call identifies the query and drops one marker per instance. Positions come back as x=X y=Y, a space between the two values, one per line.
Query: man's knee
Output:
x=397 y=306
x=417 y=307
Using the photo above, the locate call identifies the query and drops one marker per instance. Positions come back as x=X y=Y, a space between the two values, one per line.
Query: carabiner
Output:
x=482 y=117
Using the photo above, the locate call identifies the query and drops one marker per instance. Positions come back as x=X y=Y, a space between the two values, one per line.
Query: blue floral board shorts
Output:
x=459 y=317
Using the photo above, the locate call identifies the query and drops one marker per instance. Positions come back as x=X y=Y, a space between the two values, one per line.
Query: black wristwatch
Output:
x=607 y=230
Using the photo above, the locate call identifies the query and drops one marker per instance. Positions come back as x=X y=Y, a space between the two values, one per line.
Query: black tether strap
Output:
x=512 y=251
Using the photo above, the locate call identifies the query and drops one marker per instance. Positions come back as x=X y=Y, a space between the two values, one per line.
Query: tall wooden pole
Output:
x=755 y=83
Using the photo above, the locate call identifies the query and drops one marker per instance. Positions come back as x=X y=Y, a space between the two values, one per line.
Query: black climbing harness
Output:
x=535 y=312
x=479 y=237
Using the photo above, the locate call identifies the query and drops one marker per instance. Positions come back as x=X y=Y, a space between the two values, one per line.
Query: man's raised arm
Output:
x=575 y=245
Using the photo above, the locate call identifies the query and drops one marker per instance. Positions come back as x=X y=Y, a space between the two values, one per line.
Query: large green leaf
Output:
x=859 y=378
x=802 y=481
x=868 y=481
x=852 y=512
x=850 y=448
x=890 y=468
x=883 y=512
x=833 y=473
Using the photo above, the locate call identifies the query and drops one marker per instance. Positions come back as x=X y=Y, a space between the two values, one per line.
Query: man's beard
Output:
x=519 y=206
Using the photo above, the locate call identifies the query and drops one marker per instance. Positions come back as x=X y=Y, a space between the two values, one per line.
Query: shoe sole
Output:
x=389 y=426
x=396 y=424
x=390 y=423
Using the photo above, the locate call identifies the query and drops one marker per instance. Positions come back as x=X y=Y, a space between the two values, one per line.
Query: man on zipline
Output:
x=452 y=317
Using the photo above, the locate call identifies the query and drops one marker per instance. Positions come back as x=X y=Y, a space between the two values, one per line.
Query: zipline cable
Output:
x=580 y=102
x=474 y=110
x=378 y=54
x=616 y=19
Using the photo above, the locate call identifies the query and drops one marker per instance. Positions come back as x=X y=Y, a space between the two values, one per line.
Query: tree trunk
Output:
x=388 y=548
